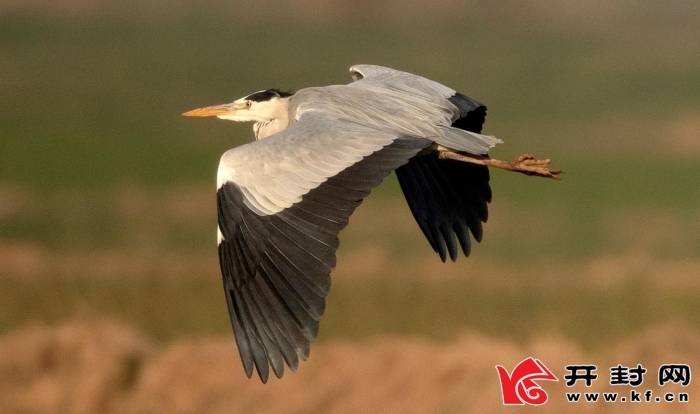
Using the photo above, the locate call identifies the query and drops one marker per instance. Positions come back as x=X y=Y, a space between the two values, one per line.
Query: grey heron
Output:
x=283 y=199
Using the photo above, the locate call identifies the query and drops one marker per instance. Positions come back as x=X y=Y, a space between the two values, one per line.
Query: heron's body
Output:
x=283 y=199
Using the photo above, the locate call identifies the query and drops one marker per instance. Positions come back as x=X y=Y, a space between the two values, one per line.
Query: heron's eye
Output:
x=247 y=104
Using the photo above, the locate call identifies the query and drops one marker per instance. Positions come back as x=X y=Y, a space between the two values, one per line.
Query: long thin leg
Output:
x=525 y=164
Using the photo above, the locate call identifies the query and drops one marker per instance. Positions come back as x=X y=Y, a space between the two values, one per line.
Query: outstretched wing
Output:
x=448 y=198
x=281 y=203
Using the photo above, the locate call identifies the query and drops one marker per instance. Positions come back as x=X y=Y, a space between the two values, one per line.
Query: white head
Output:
x=269 y=109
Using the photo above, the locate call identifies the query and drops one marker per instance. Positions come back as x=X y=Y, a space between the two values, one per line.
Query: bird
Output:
x=283 y=199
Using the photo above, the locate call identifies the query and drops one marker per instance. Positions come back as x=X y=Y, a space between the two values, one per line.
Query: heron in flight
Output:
x=283 y=199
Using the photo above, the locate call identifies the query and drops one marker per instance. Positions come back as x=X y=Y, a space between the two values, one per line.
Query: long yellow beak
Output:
x=216 y=110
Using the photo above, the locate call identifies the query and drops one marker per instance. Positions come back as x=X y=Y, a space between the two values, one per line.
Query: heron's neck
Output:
x=266 y=128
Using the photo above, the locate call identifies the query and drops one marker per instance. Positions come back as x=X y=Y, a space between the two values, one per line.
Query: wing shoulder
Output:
x=276 y=172
x=396 y=79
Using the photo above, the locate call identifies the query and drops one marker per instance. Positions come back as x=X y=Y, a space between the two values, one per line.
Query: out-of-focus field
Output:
x=107 y=210
x=98 y=366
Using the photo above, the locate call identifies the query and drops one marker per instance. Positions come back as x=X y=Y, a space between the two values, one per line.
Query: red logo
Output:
x=519 y=388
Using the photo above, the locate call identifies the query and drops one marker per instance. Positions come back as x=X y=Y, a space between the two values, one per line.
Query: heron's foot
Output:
x=529 y=165
x=526 y=163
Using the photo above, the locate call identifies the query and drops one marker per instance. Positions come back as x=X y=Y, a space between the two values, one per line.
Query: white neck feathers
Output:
x=277 y=119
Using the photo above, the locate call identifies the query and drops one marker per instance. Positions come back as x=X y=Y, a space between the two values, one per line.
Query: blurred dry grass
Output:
x=97 y=366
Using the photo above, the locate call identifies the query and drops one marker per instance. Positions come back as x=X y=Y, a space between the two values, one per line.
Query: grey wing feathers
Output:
x=275 y=172
x=401 y=81
x=276 y=268
x=408 y=87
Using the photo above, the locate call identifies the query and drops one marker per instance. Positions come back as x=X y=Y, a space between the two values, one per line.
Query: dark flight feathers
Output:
x=449 y=198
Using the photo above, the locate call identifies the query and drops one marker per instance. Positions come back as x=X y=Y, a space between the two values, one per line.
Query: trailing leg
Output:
x=525 y=164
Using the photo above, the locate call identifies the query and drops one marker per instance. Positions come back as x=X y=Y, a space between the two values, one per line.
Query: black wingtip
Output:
x=443 y=256
x=263 y=375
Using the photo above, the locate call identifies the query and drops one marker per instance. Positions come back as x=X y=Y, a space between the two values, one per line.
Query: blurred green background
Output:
x=107 y=194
